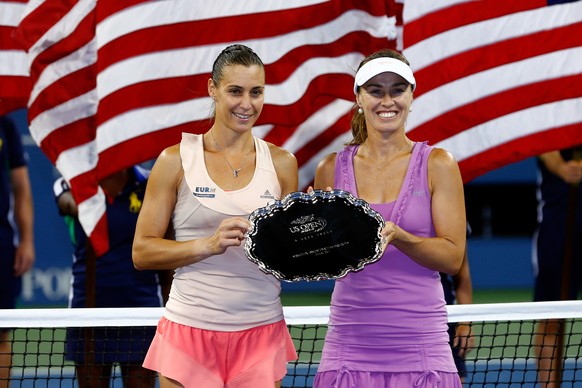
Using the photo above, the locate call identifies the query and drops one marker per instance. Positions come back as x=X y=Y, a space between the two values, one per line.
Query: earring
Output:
x=410 y=109
x=360 y=110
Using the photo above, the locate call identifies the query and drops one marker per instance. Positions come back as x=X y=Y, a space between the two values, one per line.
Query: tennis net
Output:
x=503 y=354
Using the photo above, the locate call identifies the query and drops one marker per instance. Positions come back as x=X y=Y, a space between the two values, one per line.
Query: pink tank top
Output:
x=395 y=301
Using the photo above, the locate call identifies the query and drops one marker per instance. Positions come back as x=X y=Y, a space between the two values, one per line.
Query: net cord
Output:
x=294 y=315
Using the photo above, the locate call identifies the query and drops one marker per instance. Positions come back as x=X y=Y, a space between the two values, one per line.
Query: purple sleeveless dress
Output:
x=388 y=322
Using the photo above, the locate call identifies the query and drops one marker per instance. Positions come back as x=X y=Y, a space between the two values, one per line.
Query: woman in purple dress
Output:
x=388 y=323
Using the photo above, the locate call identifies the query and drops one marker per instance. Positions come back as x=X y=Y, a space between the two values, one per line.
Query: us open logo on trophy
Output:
x=314 y=236
x=307 y=224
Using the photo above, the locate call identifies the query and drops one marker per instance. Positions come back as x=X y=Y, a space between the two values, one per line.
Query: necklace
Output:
x=235 y=171
x=381 y=166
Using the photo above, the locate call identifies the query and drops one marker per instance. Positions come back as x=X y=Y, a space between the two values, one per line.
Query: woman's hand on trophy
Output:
x=230 y=232
x=388 y=234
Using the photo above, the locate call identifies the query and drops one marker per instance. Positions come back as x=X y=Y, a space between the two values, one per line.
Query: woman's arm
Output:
x=463 y=283
x=464 y=292
x=443 y=253
x=151 y=250
x=569 y=172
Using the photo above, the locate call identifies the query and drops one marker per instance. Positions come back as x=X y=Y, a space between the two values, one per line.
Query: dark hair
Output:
x=236 y=54
x=359 y=130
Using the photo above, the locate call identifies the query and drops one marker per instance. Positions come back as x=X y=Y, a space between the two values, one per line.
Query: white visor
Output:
x=383 y=65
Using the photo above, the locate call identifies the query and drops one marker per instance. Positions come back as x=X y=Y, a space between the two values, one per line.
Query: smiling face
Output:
x=239 y=97
x=386 y=100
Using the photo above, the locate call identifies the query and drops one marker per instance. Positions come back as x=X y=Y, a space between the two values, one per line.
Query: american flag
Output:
x=498 y=81
x=116 y=82
x=14 y=80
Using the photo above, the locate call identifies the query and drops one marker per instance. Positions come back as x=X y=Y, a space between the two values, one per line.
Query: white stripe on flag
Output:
x=462 y=91
x=491 y=31
x=513 y=126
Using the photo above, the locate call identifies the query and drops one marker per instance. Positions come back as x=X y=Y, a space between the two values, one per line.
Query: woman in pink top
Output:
x=223 y=324
x=388 y=323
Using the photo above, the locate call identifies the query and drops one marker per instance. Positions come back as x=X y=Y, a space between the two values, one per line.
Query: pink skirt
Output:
x=193 y=357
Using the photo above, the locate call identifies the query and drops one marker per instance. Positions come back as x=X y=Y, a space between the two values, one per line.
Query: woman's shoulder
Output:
x=169 y=159
x=171 y=152
x=442 y=165
x=440 y=156
x=279 y=154
x=326 y=165
x=328 y=159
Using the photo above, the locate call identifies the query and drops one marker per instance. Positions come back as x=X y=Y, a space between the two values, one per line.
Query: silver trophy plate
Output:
x=314 y=236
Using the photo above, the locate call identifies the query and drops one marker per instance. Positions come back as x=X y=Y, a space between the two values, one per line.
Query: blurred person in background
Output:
x=557 y=250
x=114 y=282
x=16 y=230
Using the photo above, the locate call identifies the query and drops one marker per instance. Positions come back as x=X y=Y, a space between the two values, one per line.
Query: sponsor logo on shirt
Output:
x=418 y=193
x=267 y=194
x=204 y=192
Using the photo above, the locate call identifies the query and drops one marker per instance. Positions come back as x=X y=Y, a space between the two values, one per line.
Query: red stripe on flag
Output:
x=82 y=186
x=438 y=80
x=519 y=149
x=300 y=111
x=457 y=120
x=311 y=148
x=315 y=97
x=151 y=93
x=7 y=42
x=14 y=92
x=115 y=158
x=487 y=57
x=100 y=237
x=68 y=136
x=40 y=20
x=68 y=87
x=171 y=90
x=14 y=82
x=463 y=14
x=286 y=65
x=205 y=32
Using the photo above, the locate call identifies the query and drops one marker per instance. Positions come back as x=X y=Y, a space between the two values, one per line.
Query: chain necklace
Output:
x=235 y=171
x=381 y=166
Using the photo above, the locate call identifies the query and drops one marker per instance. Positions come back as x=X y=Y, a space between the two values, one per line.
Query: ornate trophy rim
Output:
x=315 y=196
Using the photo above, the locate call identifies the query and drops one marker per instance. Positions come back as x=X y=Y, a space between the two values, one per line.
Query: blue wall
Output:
x=495 y=263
